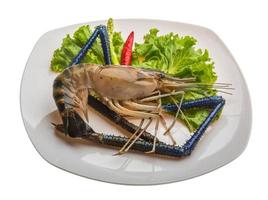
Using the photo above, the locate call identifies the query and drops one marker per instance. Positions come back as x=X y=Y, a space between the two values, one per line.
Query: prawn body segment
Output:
x=123 y=83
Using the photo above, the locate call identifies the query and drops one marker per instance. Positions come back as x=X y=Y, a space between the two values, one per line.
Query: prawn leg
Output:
x=118 y=119
x=121 y=151
x=214 y=102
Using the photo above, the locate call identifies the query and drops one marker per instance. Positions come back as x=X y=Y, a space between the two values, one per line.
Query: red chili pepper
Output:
x=126 y=56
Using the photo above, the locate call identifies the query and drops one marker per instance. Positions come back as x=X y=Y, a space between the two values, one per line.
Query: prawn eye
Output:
x=162 y=75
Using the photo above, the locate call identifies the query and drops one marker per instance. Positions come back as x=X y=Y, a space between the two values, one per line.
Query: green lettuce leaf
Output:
x=70 y=47
x=179 y=57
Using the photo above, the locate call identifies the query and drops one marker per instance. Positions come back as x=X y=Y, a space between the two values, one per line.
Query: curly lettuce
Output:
x=179 y=57
x=70 y=47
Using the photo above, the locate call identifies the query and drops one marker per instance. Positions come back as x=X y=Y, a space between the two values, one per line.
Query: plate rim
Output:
x=231 y=158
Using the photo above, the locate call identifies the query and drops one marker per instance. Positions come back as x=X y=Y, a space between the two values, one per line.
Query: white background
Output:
x=242 y=25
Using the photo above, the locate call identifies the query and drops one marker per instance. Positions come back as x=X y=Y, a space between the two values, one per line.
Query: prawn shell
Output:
x=123 y=83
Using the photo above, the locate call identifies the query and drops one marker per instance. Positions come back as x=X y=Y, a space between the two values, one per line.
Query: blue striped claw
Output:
x=191 y=143
x=105 y=44
x=210 y=102
x=214 y=102
x=99 y=31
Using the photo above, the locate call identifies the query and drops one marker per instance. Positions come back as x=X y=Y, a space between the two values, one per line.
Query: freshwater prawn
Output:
x=123 y=91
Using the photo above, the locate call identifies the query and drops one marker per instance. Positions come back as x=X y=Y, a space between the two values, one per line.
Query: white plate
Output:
x=224 y=141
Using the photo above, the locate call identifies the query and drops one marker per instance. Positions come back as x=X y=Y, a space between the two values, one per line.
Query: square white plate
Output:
x=224 y=141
